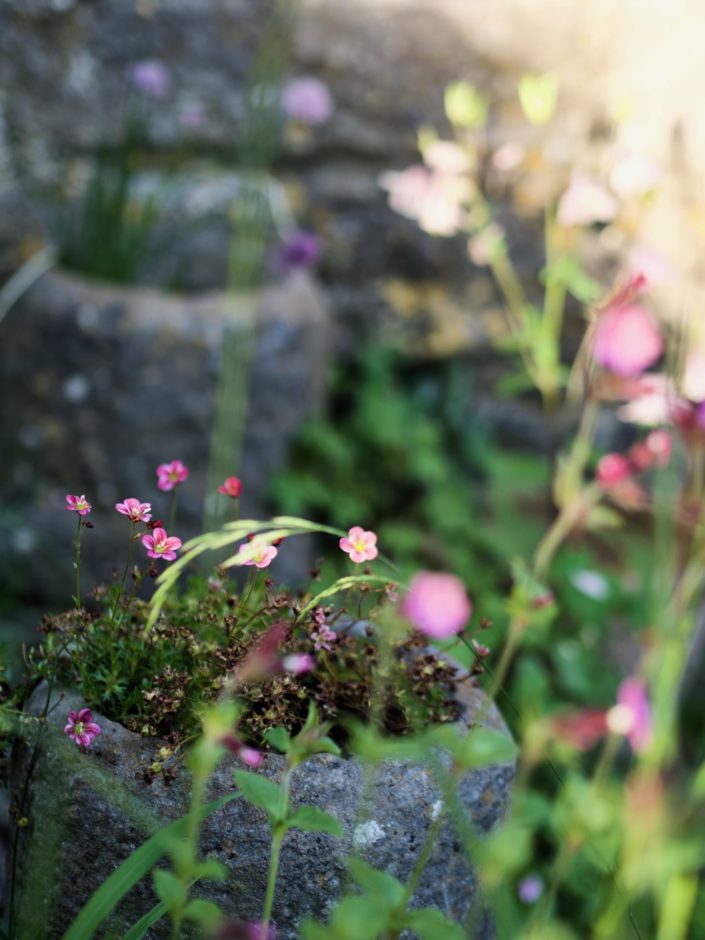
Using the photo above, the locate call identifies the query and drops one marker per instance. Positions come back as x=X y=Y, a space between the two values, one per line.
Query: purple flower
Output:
x=301 y=251
x=81 y=728
x=437 y=604
x=151 y=77
x=307 y=100
x=530 y=889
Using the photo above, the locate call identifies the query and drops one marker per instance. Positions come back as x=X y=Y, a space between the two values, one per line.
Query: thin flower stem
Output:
x=116 y=605
x=277 y=839
x=77 y=563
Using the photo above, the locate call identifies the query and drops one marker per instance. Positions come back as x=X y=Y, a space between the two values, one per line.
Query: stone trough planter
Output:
x=87 y=812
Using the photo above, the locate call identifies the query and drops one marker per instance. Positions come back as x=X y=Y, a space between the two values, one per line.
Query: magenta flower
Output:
x=151 y=77
x=655 y=450
x=78 y=504
x=160 y=545
x=248 y=755
x=631 y=716
x=360 y=544
x=81 y=728
x=626 y=340
x=300 y=252
x=307 y=100
x=612 y=469
x=171 y=475
x=323 y=637
x=437 y=604
x=262 y=553
x=135 y=510
x=298 y=663
x=232 y=487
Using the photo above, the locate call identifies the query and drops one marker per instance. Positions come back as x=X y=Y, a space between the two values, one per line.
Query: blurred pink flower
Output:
x=631 y=716
x=232 y=487
x=135 y=510
x=307 y=100
x=437 y=604
x=626 y=340
x=654 y=451
x=508 y=156
x=248 y=755
x=78 y=504
x=634 y=174
x=446 y=157
x=653 y=400
x=298 y=663
x=262 y=553
x=647 y=260
x=171 y=475
x=242 y=930
x=151 y=77
x=323 y=637
x=434 y=199
x=161 y=545
x=581 y=729
x=611 y=469
x=360 y=545
x=586 y=201
x=81 y=728
x=693 y=382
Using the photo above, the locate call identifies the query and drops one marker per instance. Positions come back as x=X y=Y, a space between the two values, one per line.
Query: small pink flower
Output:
x=581 y=729
x=360 y=545
x=248 y=755
x=262 y=553
x=612 y=469
x=437 y=604
x=307 y=100
x=323 y=637
x=135 y=510
x=298 y=663
x=81 y=728
x=626 y=340
x=232 y=487
x=655 y=451
x=631 y=716
x=170 y=475
x=586 y=201
x=160 y=545
x=151 y=77
x=242 y=930
x=78 y=504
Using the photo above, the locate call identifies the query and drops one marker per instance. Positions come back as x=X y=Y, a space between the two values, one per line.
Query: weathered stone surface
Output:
x=99 y=385
x=92 y=834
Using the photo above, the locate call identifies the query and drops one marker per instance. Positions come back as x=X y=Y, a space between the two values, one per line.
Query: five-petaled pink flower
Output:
x=360 y=545
x=170 y=475
x=437 y=604
x=135 y=510
x=78 y=504
x=161 y=545
x=626 y=340
x=81 y=728
x=631 y=716
x=232 y=487
x=261 y=555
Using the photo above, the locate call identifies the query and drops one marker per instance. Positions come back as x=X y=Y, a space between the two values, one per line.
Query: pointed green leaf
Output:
x=203 y=912
x=169 y=889
x=278 y=738
x=260 y=792
x=377 y=884
x=430 y=924
x=313 y=819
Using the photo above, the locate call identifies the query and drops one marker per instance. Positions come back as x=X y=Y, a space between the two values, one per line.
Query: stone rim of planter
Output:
x=93 y=822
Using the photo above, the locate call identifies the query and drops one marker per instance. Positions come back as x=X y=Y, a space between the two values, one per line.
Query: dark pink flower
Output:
x=437 y=604
x=298 y=663
x=135 y=510
x=232 y=487
x=78 y=504
x=307 y=100
x=248 y=755
x=631 y=716
x=360 y=545
x=612 y=469
x=654 y=451
x=151 y=77
x=81 y=728
x=626 y=340
x=160 y=545
x=170 y=475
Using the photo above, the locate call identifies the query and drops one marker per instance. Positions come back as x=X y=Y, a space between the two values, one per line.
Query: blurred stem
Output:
x=278 y=834
x=116 y=605
x=77 y=563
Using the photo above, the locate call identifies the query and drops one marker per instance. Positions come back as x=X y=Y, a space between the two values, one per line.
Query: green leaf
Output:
x=169 y=889
x=278 y=738
x=126 y=875
x=313 y=819
x=203 y=912
x=138 y=930
x=477 y=748
x=212 y=870
x=260 y=792
x=430 y=924
x=342 y=584
x=465 y=106
x=538 y=95
x=377 y=884
x=355 y=918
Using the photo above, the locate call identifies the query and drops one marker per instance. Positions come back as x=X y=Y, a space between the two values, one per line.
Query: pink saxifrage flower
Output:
x=298 y=663
x=626 y=340
x=232 y=487
x=360 y=544
x=262 y=554
x=307 y=100
x=631 y=716
x=78 y=504
x=135 y=510
x=437 y=604
x=81 y=728
x=612 y=469
x=161 y=545
x=151 y=77
x=171 y=475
